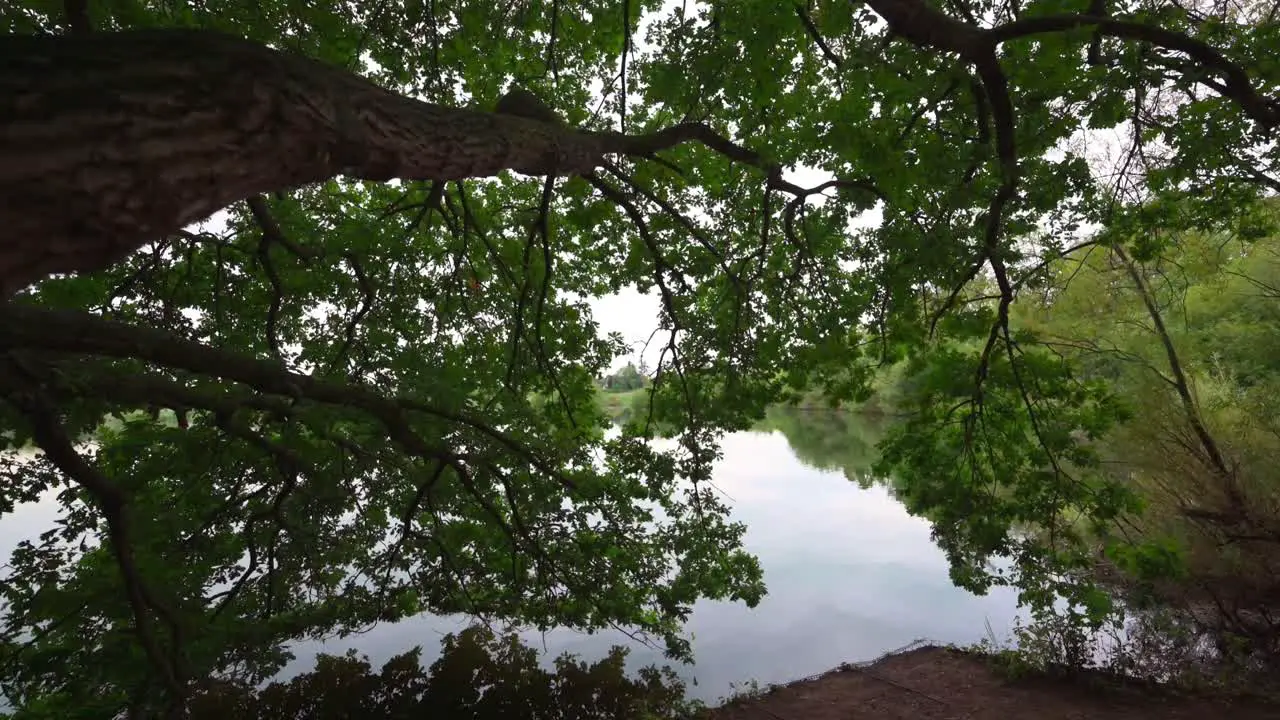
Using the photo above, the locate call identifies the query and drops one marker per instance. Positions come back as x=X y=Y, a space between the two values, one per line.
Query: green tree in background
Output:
x=360 y=355
x=830 y=439
x=626 y=379
x=1188 y=338
x=479 y=676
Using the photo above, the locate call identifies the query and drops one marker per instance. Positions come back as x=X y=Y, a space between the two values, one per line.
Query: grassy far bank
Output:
x=621 y=405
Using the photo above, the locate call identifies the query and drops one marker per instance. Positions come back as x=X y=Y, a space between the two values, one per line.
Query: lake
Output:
x=851 y=575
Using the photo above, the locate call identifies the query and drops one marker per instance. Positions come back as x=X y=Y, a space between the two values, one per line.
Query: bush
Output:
x=480 y=675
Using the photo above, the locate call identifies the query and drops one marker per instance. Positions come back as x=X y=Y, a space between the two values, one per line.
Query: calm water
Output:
x=850 y=574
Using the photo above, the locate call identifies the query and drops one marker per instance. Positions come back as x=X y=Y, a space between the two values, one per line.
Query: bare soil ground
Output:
x=934 y=683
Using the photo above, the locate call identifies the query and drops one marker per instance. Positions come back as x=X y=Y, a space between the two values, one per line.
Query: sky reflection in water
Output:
x=850 y=576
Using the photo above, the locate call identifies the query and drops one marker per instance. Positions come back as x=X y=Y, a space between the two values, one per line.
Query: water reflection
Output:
x=850 y=574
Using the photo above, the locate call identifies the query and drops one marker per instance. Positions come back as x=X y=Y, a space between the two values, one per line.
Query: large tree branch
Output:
x=1214 y=455
x=1237 y=85
x=83 y=333
x=924 y=25
x=116 y=139
x=812 y=30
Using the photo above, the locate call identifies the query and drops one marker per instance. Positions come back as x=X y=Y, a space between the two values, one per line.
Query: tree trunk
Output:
x=1213 y=455
x=110 y=141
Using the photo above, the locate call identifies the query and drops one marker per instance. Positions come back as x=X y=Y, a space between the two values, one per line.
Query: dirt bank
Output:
x=933 y=683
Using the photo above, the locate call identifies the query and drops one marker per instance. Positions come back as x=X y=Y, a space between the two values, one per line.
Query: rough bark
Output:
x=924 y=25
x=110 y=141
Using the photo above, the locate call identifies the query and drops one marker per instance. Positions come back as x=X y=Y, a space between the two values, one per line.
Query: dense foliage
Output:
x=384 y=394
x=1185 y=342
x=479 y=675
x=627 y=378
x=1186 y=337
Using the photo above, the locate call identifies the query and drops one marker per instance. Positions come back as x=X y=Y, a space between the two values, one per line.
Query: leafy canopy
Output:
x=356 y=401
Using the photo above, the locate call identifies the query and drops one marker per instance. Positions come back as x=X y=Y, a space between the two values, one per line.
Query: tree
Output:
x=1187 y=338
x=361 y=353
x=479 y=675
x=628 y=378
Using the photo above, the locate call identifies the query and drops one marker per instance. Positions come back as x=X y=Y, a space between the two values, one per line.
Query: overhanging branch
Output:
x=261 y=121
x=52 y=438
x=81 y=333
x=1237 y=85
